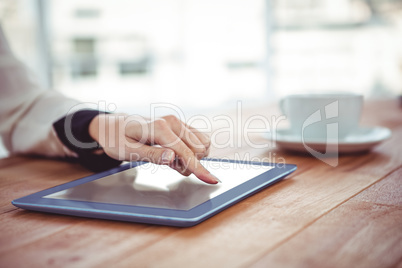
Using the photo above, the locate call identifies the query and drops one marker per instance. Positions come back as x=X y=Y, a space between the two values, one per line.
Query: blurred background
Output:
x=207 y=54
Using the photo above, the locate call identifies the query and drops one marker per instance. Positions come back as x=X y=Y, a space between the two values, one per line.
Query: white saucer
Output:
x=362 y=139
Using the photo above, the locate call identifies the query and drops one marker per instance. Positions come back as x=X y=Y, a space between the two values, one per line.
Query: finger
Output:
x=187 y=136
x=202 y=173
x=204 y=138
x=192 y=142
x=165 y=137
x=176 y=165
x=207 y=152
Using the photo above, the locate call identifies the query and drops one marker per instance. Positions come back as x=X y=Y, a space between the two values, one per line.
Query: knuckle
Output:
x=187 y=152
x=151 y=156
x=199 y=155
x=207 y=152
x=204 y=138
x=207 y=147
x=207 y=141
x=171 y=119
x=160 y=123
x=199 y=149
x=186 y=173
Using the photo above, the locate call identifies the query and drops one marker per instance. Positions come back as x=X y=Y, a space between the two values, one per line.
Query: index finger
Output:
x=167 y=138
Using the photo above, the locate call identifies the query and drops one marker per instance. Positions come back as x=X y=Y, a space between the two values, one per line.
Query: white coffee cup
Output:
x=322 y=116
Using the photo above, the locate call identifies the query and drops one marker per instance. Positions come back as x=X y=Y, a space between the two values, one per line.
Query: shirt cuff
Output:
x=73 y=132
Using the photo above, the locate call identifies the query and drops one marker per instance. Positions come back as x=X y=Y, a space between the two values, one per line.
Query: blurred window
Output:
x=84 y=62
x=86 y=13
x=84 y=46
x=133 y=68
x=134 y=53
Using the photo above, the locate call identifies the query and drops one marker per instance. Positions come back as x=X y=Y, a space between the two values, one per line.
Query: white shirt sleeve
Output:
x=27 y=112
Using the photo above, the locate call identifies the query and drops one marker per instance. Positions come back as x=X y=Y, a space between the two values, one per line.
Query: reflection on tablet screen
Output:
x=151 y=185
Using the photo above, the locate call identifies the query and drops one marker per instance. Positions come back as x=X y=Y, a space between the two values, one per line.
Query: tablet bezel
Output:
x=164 y=216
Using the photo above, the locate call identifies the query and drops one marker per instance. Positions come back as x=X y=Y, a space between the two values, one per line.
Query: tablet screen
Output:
x=157 y=186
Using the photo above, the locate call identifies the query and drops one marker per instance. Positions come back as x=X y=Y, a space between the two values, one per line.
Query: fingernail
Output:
x=167 y=156
x=216 y=179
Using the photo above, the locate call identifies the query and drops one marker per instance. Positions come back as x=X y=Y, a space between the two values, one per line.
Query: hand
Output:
x=166 y=141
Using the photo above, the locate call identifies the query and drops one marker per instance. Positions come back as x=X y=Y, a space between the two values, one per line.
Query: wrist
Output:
x=93 y=128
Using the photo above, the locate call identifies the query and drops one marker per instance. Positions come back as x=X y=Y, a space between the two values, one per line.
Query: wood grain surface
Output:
x=320 y=216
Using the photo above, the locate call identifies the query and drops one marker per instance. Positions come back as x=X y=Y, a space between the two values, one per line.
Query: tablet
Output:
x=155 y=194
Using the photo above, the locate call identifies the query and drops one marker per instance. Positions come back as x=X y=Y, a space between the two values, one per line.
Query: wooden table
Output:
x=321 y=216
